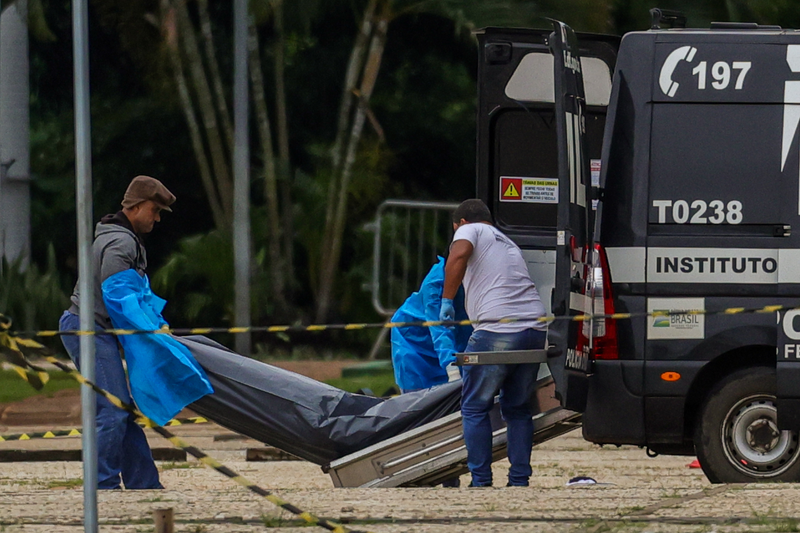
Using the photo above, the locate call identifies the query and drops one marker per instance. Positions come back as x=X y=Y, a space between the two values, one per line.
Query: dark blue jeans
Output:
x=516 y=384
x=121 y=445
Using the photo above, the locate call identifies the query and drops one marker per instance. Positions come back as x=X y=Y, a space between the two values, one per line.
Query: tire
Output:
x=736 y=437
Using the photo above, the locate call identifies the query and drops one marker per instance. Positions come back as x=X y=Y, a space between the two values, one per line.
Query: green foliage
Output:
x=369 y=186
x=424 y=101
x=631 y=15
x=782 y=12
x=197 y=280
x=32 y=298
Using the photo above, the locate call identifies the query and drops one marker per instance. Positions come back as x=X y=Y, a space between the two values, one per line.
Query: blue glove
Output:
x=447 y=313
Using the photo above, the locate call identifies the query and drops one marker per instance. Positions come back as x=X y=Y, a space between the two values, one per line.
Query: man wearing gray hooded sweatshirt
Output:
x=122 y=448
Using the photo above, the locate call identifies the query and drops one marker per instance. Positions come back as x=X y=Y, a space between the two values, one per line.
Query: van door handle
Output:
x=783 y=230
x=553 y=351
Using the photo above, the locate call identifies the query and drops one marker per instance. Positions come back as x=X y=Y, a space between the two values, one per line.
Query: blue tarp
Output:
x=164 y=376
x=420 y=355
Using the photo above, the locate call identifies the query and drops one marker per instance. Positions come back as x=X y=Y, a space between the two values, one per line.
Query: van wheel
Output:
x=737 y=438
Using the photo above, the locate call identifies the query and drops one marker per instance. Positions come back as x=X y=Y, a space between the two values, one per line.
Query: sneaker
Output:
x=509 y=484
x=472 y=485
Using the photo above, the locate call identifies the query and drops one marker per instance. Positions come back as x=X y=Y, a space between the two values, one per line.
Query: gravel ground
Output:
x=635 y=494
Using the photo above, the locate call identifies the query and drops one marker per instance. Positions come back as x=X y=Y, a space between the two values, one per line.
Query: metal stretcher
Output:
x=432 y=453
x=414 y=439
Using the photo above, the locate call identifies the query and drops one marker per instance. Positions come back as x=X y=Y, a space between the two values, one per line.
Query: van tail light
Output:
x=602 y=342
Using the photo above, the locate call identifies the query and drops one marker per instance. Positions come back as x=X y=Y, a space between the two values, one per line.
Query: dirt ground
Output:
x=635 y=494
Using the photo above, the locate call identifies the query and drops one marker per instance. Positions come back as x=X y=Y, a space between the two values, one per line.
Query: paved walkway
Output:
x=635 y=493
x=638 y=494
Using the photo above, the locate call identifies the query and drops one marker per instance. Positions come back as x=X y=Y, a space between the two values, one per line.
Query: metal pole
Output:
x=83 y=204
x=241 y=173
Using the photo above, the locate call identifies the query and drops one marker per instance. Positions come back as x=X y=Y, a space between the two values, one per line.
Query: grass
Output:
x=271 y=520
x=65 y=483
x=13 y=388
x=788 y=525
x=180 y=466
x=377 y=383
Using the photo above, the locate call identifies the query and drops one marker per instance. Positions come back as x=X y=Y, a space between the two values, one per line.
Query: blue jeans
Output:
x=516 y=384
x=121 y=445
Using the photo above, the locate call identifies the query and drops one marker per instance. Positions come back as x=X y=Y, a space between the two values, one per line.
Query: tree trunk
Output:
x=284 y=162
x=368 y=79
x=213 y=66
x=169 y=28
x=205 y=102
x=354 y=68
x=270 y=178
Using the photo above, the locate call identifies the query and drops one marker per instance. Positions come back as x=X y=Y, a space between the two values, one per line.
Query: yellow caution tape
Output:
x=4 y=321
x=76 y=432
x=11 y=347
x=7 y=340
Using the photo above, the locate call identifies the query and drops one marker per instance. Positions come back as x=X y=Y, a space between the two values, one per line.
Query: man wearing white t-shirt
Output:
x=497 y=285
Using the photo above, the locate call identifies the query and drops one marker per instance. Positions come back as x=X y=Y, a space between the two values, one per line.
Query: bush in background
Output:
x=34 y=299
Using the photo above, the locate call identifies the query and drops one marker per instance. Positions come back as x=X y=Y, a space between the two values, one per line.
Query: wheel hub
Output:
x=763 y=435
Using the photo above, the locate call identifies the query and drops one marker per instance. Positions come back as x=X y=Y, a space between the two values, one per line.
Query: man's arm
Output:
x=456 y=267
x=117 y=255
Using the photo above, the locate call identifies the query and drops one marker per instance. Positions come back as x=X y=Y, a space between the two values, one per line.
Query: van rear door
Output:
x=523 y=172
x=570 y=366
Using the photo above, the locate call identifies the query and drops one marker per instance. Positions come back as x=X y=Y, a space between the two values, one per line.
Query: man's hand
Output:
x=447 y=313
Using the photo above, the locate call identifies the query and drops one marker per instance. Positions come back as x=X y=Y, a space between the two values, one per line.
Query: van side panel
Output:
x=701 y=208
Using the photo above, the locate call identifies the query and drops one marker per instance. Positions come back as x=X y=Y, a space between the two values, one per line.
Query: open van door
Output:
x=523 y=171
x=569 y=364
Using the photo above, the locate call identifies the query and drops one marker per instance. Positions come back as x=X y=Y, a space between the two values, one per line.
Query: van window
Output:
x=525 y=154
x=532 y=80
x=716 y=165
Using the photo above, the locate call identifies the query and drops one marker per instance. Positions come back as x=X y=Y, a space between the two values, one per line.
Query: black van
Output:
x=698 y=192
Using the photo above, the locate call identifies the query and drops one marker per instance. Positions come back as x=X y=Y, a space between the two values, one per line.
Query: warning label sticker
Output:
x=596 y=166
x=532 y=190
